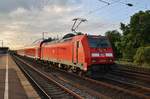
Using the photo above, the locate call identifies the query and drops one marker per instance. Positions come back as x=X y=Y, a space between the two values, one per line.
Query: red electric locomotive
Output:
x=77 y=52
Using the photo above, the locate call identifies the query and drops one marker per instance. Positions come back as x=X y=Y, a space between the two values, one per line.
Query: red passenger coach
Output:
x=32 y=52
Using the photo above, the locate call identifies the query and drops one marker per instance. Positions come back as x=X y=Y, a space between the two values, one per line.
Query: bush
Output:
x=142 y=55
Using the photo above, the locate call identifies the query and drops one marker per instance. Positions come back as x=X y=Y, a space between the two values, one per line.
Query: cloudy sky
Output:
x=23 y=21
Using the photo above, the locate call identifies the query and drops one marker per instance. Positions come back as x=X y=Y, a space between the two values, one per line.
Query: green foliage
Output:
x=114 y=37
x=125 y=28
x=142 y=55
x=140 y=27
x=127 y=47
x=136 y=34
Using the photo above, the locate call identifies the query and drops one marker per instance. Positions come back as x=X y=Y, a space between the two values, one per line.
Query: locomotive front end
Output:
x=101 y=50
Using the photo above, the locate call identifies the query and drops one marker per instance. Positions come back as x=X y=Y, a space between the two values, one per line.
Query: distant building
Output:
x=3 y=50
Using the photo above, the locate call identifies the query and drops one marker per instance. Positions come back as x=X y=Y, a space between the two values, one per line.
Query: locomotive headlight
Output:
x=109 y=54
x=95 y=54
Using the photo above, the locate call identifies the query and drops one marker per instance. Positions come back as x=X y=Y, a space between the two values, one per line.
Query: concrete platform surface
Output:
x=2 y=83
x=13 y=84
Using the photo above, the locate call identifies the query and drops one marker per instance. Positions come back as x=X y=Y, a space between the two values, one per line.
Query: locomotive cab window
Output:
x=98 y=42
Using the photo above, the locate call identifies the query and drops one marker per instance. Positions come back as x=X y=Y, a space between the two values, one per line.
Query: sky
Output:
x=23 y=21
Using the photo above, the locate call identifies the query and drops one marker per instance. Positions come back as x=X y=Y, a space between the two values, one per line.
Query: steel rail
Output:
x=91 y=92
x=34 y=83
x=140 y=70
x=48 y=78
x=109 y=86
x=130 y=86
x=137 y=75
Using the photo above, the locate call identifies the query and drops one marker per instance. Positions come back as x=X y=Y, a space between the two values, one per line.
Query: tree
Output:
x=135 y=34
x=114 y=37
x=142 y=55
x=140 y=27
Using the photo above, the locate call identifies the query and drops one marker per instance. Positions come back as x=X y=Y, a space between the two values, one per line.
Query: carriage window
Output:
x=98 y=42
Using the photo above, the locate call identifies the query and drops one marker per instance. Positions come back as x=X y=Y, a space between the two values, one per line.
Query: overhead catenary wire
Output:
x=108 y=4
x=98 y=9
x=136 y=7
x=40 y=6
x=104 y=2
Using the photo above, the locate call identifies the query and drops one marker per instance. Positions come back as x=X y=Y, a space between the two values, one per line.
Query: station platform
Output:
x=13 y=84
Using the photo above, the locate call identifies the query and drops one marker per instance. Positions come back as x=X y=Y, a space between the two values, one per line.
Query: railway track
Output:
x=132 y=75
x=133 y=69
x=140 y=77
x=131 y=80
x=98 y=89
x=47 y=87
x=127 y=84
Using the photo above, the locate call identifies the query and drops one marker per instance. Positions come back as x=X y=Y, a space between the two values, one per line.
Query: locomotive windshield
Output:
x=98 y=42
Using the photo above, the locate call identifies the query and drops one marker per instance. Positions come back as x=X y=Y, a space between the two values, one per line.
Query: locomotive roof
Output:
x=62 y=40
x=69 y=36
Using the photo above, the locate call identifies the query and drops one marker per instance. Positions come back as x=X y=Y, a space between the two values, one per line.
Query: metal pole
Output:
x=2 y=43
x=75 y=20
x=78 y=25
x=43 y=35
